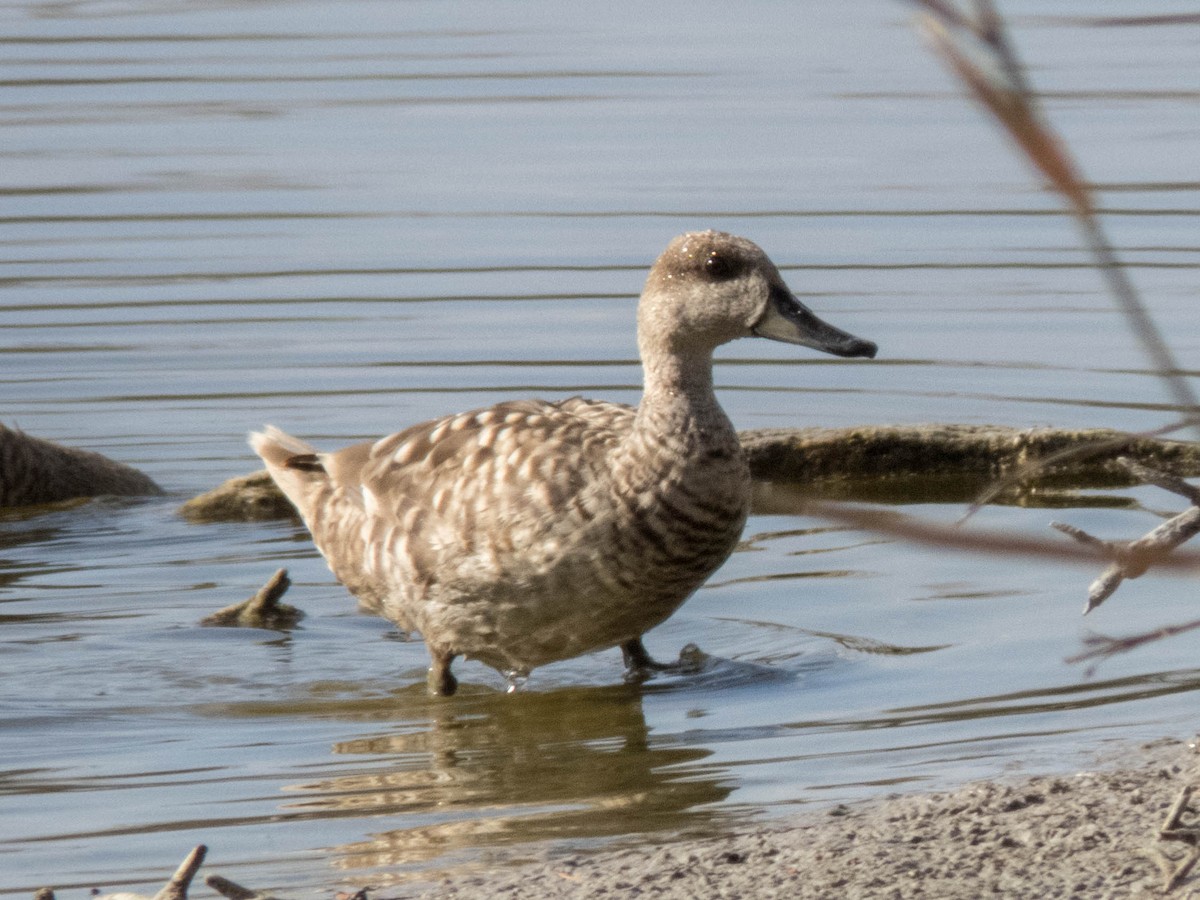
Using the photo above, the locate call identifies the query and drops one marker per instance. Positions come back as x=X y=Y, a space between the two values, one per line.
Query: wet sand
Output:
x=1092 y=834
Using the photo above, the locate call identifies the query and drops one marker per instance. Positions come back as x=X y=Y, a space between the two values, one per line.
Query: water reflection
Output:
x=579 y=764
x=569 y=763
x=1050 y=699
x=19 y=529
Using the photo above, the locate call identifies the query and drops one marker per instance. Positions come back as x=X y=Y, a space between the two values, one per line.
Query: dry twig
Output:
x=235 y=891
x=920 y=531
x=1176 y=828
x=176 y=887
x=1131 y=559
x=1030 y=469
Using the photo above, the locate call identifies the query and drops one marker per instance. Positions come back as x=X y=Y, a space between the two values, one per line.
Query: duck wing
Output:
x=484 y=495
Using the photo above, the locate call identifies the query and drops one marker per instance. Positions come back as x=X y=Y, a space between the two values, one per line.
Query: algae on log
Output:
x=883 y=463
x=247 y=498
x=34 y=471
x=953 y=463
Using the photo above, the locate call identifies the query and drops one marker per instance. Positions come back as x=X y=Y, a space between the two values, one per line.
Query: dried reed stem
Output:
x=978 y=50
x=916 y=530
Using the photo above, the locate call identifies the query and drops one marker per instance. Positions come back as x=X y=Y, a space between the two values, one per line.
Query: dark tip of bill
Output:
x=859 y=347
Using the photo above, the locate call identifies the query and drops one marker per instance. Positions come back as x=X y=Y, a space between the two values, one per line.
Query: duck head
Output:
x=709 y=287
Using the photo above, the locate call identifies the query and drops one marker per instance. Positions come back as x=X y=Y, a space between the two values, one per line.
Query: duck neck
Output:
x=679 y=397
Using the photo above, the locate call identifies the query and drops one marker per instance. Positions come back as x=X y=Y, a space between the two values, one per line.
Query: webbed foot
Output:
x=638 y=661
x=640 y=665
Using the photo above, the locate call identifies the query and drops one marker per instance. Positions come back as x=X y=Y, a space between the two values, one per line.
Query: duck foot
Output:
x=640 y=665
x=440 y=679
x=638 y=660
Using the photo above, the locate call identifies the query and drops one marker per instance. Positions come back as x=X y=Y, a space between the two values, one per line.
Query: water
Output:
x=345 y=218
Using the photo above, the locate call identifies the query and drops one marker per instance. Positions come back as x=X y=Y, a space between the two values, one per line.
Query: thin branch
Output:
x=981 y=55
x=1031 y=468
x=1131 y=559
x=1176 y=828
x=951 y=537
x=235 y=891
x=1164 y=480
x=176 y=887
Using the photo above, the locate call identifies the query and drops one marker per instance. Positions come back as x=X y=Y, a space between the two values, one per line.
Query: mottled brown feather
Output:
x=533 y=531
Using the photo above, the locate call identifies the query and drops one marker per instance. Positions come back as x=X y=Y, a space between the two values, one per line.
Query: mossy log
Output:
x=247 y=498
x=898 y=463
x=954 y=463
x=34 y=472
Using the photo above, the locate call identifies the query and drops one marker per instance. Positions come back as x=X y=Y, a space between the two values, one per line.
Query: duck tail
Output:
x=294 y=465
x=277 y=447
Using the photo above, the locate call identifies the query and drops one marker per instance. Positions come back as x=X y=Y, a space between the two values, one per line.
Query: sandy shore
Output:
x=1094 y=834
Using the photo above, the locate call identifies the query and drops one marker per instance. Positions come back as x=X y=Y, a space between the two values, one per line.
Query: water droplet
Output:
x=516 y=680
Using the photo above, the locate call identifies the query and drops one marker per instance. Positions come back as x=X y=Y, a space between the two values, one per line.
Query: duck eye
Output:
x=718 y=267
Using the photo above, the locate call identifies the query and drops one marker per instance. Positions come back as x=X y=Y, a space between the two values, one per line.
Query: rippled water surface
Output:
x=343 y=218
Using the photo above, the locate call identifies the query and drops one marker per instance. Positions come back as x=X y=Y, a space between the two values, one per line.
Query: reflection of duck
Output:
x=35 y=471
x=532 y=531
x=495 y=770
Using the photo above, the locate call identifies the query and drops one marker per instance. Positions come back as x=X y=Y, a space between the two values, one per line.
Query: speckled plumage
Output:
x=534 y=531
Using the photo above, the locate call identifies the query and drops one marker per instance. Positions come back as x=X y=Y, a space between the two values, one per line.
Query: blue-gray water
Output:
x=343 y=218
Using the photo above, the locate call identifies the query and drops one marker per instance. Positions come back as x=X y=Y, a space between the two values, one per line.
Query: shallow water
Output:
x=345 y=218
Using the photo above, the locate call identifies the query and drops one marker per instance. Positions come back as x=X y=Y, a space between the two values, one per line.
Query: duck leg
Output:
x=440 y=679
x=638 y=661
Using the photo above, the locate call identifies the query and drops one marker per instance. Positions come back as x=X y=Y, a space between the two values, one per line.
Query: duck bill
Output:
x=787 y=319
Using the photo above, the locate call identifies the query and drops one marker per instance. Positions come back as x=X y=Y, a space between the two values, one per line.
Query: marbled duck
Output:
x=535 y=531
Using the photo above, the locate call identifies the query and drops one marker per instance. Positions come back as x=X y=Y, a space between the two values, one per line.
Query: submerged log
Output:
x=882 y=463
x=263 y=610
x=954 y=463
x=981 y=451
x=247 y=498
x=35 y=471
